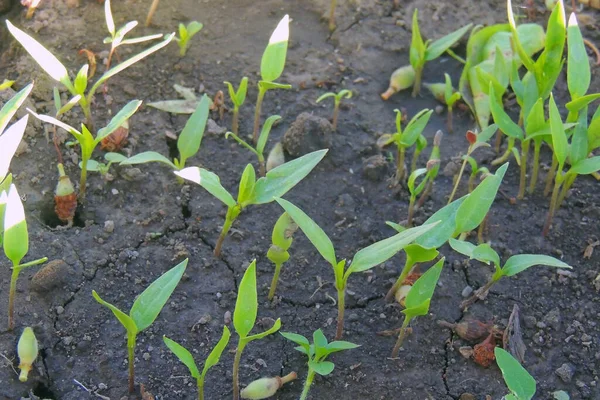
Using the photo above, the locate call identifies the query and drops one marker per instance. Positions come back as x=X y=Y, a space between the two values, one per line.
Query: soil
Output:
x=143 y=222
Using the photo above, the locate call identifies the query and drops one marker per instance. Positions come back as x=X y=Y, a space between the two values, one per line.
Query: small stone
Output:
x=467 y=396
x=227 y=317
x=439 y=109
x=60 y=310
x=114 y=191
x=467 y=291
x=466 y=351
x=130 y=90
x=102 y=386
x=67 y=340
x=566 y=372
x=214 y=129
x=553 y=319
x=109 y=226
x=205 y=319
x=146 y=356
x=375 y=168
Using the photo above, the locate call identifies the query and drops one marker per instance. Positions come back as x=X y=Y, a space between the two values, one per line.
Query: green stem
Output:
x=401 y=337
x=262 y=170
x=259 y=100
x=236 y=368
x=83 y=178
x=557 y=183
x=411 y=210
x=200 y=383
x=415 y=158
x=449 y=120
x=498 y=142
x=275 y=280
x=472 y=181
x=417 y=84
x=408 y=266
x=87 y=113
x=336 y=111
x=307 y=383
x=341 y=308
x=565 y=189
x=235 y=120
x=426 y=193
x=11 y=296
x=507 y=153
x=550 y=176
x=229 y=219
x=460 y=173
x=332 y=15
x=523 y=180
x=400 y=164
x=536 y=165
x=131 y=358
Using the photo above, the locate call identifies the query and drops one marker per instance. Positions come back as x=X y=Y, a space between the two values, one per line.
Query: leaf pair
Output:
x=186 y=33
x=238 y=97
x=262 y=141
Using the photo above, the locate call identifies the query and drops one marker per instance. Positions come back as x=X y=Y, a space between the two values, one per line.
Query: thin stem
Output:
x=235 y=120
x=523 y=180
x=131 y=358
x=565 y=189
x=83 y=179
x=553 y=201
x=460 y=173
x=415 y=158
x=400 y=171
x=449 y=120
x=336 y=111
x=11 y=296
x=472 y=181
x=498 y=142
x=262 y=170
x=307 y=383
x=482 y=228
x=507 y=153
x=417 y=84
x=479 y=293
x=236 y=369
x=259 y=100
x=408 y=266
x=341 y=308
x=200 y=384
x=536 y=166
x=275 y=280
x=401 y=337
x=426 y=193
x=151 y=12
x=229 y=218
x=411 y=210
x=332 y=15
x=550 y=176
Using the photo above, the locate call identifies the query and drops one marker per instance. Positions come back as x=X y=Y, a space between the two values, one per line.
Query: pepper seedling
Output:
x=145 y=310
x=429 y=175
x=475 y=170
x=404 y=139
x=445 y=94
x=244 y=318
x=103 y=168
x=88 y=142
x=27 y=350
x=188 y=142
x=418 y=299
x=260 y=145
x=188 y=359
x=186 y=33
x=276 y=183
x=433 y=166
x=65 y=197
x=57 y=71
x=281 y=239
x=420 y=145
x=16 y=243
x=317 y=354
x=337 y=100
x=514 y=265
x=402 y=78
x=237 y=98
x=415 y=254
x=421 y=51
x=271 y=67
x=521 y=384
x=363 y=260
x=264 y=388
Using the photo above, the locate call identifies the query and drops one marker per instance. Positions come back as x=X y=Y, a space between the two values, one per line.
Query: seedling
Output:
x=451 y=96
x=88 y=142
x=402 y=78
x=418 y=300
x=317 y=353
x=337 y=99
x=188 y=142
x=117 y=37
x=521 y=384
x=145 y=309
x=276 y=183
x=420 y=145
x=244 y=317
x=363 y=260
x=428 y=174
x=271 y=67
x=186 y=33
x=475 y=170
x=260 y=145
x=237 y=97
x=188 y=359
x=27 y=350
x=415 y=254
x=16 y=243
x=264 y=388
x=57 y=71
x=404 y=139
x=421 y=52
x=515 y=264
x=433 y=166
x=281 y=239
x=65 y=197
x=103 y=168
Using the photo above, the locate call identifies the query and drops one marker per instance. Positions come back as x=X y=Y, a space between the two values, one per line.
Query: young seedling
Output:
x=363 y=260
x=404 y=139
x=332 y=15
x=244 y=317
x=188 y=359
x=57 y=71
x=475 y=170
x=237 y=98
x=402 y=78
x=186 y=33
x=433 y=167
x=65 y=197
x=103 y=168
x=445 y=94
x=271 y=67
x=151 y=11
x=429 y=176
x=188 y=142
x=421 y=52
x=276 y=183
x=264 y=388
x=260 y=145
x=415 y=254
x=417 y=300
x=337 y=99
x=27 y=350
x=317 y=354
x=521 y=384
x=16 y=244
x=145 y=309
x=87 y=142
x=515 y=264
x=281 y=239
x=420 y=145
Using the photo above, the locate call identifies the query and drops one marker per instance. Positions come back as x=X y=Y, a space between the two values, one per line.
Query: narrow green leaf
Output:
x=81 y=80
x=415 y=127
x=523 y=55
x=518 y=380
x=438 y=47
x=209 y=181
x=150 y=156
x=246 y=305
x=118 y=120
x=535 y=121
x=486 y=254
x=463 y=247
x=413 y=177
x=487 y=133
x=273 y=59
x=247 y=183
x=264 y=134
x=16 y=237
x=215 y=354
x=241 y=92
x=577 y=104
x=296 y=338
x=340 y=345
x=322 y=368
x=190 y=138
x=521 y=262
x=587 y=166
x=417 y=45
x=127 y=322
x=70 y=104
x=265 y=85
x=578 y=65
x=150 y=302
x=184 y=356
x=424 y=287
x=419 y=254
x=446 y=216
x=11 y=106
x=9 y=142
x=320 y=342
x=114 y=157
x=560 y=144
x=501 y=118
x=276 y=326
x=578 y=150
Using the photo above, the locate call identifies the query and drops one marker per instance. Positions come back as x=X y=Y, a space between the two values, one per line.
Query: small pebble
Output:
x=566 y=372
x=109 y=226
x=467 y=291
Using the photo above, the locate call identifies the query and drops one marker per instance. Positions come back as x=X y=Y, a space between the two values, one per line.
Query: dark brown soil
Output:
x=158 y=222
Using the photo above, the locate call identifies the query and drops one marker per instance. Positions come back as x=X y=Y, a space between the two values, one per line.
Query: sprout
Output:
x=281 y=241
x=402 y=78
x=186 y=33
x=337 y=99
x=264 y=388
x=237 y=97
x=27 y=350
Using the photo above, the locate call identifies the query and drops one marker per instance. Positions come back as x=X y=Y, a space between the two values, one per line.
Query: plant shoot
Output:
x=337 y=100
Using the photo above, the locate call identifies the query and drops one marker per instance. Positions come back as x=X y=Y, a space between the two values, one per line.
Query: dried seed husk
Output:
x=483 y=353
x=265 y=387
x=116 y=140
x=65 y=198
x=401 y=294
x=276 y=156
x=438 y=90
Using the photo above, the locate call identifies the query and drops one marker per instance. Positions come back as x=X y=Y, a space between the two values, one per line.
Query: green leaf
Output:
x=184 y=356
x=118 y=120
x=215 y=354
x=578 y=65
x=150 y=302
x=418 y=254
x=296 y=338
x=415 y=127
x=273 y=59
x=114 y=157
x=463 y=247
x=16 y=237
x=190 y=138
x=193 y=28
x=521 y=262
x=127 y=322
x=551 y=60
x=518 y=380
x=438 y=47
x=272 y=85
x=10 y=108
x=523 y=54
x=477 y=204
x=501 y=118
x=487 y=133
x=276 y=326
x=322 y=368
x=150 y=156
x=445 y=229
x=320 y=342
x=413 y=177
x=209 y=181
x=281 y=179
x=246 y=305
x=535 y=120
x=142 y=39
x=110 y=23
x=580 y=102
x=70 y=104
x=246 y=184
x=417 y=45
x=486 y=254
x=9 y=142
x=238 y=97
x=579 y=141
x=81 y=80
x=587 y=166
x=340 y=345
x=385 y=249
x=92 y=165
x=176 y=106
x=325 y=96
x=313 y=232
x=422 y=291
x=560 y=144
x=264 y=134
